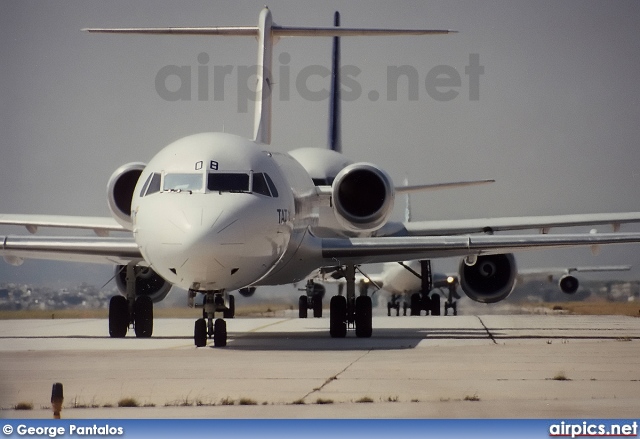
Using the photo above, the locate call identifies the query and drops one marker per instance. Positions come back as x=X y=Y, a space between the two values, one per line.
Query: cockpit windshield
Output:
x=252 y=182
x=228 y=182
x=182 y=182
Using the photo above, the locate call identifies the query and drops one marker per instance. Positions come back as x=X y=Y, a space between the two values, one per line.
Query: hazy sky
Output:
x=556 y=122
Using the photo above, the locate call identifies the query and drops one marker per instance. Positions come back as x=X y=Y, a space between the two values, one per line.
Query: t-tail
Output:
x=266 y=32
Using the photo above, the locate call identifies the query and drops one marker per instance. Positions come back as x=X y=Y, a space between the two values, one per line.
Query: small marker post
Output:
x=57 y=398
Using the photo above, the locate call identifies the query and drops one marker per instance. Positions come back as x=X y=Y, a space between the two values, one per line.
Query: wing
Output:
x=389 y=249
x=15 y=249
x=101 y=226
x=489 y=225
x=533 y=274
x=559 y=271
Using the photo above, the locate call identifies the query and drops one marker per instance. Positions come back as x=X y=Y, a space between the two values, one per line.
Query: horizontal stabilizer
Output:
x=277 y=31
x=437 y=186
x=543 y=223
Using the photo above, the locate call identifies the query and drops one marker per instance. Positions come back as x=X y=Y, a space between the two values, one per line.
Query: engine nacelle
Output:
x=148 y=282
x=362 y=195
x=491 y=279
x=568 y=284
x=247 y=291
x=120 y=189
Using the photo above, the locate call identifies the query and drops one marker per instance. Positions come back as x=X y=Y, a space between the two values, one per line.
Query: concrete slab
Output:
x=465 y=366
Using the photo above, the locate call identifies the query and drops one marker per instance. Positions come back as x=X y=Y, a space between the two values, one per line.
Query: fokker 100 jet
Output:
x=412 y=286
x=214 y=213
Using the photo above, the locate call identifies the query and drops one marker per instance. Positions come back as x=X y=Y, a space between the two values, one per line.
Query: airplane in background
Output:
x=411 y=285
x=214 y=212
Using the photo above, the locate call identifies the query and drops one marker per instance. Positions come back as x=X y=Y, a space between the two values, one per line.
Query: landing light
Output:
x=450 y=279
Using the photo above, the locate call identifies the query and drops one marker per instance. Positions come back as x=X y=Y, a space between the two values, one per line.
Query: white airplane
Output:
x=412 y=285
x=215 y=212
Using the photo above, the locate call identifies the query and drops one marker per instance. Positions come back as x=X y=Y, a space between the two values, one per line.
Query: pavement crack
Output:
x=335 y=377
x=488 y=332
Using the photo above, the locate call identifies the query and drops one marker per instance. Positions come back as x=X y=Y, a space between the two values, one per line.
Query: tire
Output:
x=317 y=306
x=425 y=304
x=143 y=317
x=220 y=333
x=338 y=317
x=200 y=333
x=364 y=327
x=118 y=316
x=303 y=305
x=415 y=304
x=435 y=304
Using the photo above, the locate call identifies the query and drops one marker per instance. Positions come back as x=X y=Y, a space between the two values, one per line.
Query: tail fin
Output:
x=335 y=105
x=266 y=31
x=407 y=207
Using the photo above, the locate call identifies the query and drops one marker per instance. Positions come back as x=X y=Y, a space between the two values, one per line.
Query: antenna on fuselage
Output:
x=266 y=31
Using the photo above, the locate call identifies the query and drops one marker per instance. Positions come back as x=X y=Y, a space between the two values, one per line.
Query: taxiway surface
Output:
x=486 y=366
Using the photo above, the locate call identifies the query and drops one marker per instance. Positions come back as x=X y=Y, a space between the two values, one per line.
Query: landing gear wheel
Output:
x=118 y=316
x=389 y=306
x=451 y=305
x=230 y=312
x=415 y=304
x=364 y=327
x=338 y=317
x=435 y=304
x=317 y=306
x=426 y=303
x=200 y=333
x=143 y=316
x=303 y=305
x=220 y=333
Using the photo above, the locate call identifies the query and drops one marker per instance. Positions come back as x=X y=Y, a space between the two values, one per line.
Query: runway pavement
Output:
x=486 y=366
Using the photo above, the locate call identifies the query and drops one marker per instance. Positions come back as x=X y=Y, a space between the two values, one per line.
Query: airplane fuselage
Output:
x=214 y=211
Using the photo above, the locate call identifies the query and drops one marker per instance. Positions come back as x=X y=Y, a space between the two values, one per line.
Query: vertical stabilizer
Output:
x=266 y=31
x=407 y=207
x=335 y=128
x=262 y=115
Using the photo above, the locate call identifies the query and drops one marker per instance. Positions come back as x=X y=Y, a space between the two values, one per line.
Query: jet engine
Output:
x=491 y=279
x=247 y=291
x=362 y=195
x=120 y=189
x=148 y=282
x=568 y=284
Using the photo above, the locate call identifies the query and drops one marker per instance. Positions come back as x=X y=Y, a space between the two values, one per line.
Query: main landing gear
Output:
x=350 y=311
x=130 y=310
x=429 y=301
x=311 y=300
x=208 y=326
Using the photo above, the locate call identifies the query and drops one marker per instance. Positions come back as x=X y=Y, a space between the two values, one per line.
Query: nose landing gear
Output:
x=208 y=326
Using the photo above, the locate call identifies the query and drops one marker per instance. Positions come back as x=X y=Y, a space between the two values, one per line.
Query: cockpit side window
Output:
x=260 y=185
x=182 y=182
x=228 y=182
x=152 y=185
x=274 y=191
x=146 y=185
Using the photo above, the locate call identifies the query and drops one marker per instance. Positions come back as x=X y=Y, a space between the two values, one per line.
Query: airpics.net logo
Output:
x=204 y=82
x=591 y=429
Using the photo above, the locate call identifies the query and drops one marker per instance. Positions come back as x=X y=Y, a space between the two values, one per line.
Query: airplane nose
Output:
x=211 y=247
